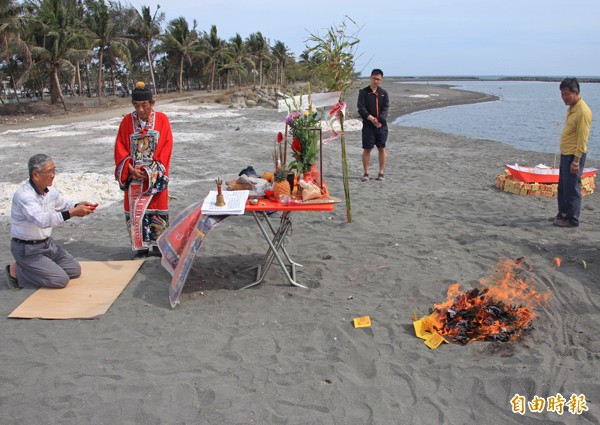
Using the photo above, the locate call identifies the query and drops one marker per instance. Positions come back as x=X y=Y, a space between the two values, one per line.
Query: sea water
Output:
x=528 y=115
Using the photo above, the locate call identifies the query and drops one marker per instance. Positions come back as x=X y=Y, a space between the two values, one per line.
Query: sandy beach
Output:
x=277 y=354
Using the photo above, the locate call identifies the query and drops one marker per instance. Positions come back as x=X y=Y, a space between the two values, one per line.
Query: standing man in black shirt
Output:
x=373 y=105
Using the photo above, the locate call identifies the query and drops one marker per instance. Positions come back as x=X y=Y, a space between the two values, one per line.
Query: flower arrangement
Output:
x=305 y=128
x=278 y=157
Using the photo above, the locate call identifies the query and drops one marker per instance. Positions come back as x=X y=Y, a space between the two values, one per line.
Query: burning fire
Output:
x=499 y=311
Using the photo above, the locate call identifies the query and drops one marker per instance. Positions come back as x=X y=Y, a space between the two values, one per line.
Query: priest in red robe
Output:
x=142 y=158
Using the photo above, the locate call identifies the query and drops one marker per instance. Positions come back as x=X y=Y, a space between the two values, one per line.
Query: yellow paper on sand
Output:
x=86 y=297
x=362 y=322
x=435 y=340
x=423 y=327
x=424 y=330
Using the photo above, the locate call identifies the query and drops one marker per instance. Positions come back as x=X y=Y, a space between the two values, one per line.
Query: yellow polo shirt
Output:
x=577 y=130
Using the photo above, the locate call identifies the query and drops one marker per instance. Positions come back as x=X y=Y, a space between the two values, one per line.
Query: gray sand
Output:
x=276 y=354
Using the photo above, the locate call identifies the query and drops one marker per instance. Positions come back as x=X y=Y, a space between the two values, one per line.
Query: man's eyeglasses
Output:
x=50 y=171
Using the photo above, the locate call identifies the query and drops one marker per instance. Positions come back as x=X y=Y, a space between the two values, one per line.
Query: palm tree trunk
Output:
x=87 y=78
x=14 y=87
x=212 y=77
x=181 y=75
x=113 y=81
x=56 y=89
x=100 y=85
x=79 y=88
x=151 y=67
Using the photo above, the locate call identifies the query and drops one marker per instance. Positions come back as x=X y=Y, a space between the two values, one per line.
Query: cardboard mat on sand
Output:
x=86 y=297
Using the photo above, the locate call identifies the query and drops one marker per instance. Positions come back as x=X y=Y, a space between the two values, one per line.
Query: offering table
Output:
x=180 y=243
x=275 y=238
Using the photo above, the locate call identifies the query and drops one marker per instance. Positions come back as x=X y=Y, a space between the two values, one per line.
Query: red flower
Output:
x=296 y=146
x=280 y=137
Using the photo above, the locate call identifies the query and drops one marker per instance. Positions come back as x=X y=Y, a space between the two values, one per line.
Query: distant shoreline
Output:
x=494 y=78
x=405 y=99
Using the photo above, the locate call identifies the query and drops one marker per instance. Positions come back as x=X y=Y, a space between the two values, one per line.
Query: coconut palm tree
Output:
x=259 y=47
x=108 y=35
x=58 y=33
x=216 y=51
x=240 y=58
x=167 y=73
x=282 y=57
x=146 y=31
x=180 y=42
x=12 y=22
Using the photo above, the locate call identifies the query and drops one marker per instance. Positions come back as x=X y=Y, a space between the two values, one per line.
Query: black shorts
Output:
x=372 y=137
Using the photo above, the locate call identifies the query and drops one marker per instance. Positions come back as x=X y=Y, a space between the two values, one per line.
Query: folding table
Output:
x=275 y=238
x=180 y=243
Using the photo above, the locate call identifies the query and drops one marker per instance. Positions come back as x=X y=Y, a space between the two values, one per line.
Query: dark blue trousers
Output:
x=569 y=189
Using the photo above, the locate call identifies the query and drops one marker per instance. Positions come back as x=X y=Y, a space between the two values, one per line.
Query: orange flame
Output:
x=499 y=310
x=557 y=261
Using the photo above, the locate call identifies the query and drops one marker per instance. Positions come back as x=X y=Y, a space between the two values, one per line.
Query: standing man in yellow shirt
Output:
x=573 y=148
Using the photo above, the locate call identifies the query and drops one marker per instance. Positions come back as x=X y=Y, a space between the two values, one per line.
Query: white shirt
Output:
x=33 y=215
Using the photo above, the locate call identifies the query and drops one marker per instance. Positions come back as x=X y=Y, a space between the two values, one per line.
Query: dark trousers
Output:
x=569 y=189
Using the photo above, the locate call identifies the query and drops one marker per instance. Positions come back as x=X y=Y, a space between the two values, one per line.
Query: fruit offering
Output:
x=281 y=185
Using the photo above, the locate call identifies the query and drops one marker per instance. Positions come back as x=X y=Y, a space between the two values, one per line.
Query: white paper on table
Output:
x=235 y=203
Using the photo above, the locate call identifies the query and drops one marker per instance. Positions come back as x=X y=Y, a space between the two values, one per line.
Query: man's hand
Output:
x=375 y=121
x=82 y=209
x=574 y=167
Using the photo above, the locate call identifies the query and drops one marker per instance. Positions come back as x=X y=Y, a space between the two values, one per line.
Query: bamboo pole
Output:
x=321 y=158
x=345 y=172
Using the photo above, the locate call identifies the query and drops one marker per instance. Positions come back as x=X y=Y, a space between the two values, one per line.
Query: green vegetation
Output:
x=96 y=48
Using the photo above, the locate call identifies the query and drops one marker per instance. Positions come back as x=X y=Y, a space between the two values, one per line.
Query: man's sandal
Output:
x=380 y=177
x=365 y=177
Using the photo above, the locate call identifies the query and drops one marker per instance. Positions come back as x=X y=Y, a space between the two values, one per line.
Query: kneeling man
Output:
x=36 y=208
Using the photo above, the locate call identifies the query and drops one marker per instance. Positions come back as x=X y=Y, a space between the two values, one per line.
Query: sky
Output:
x=421 y=37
